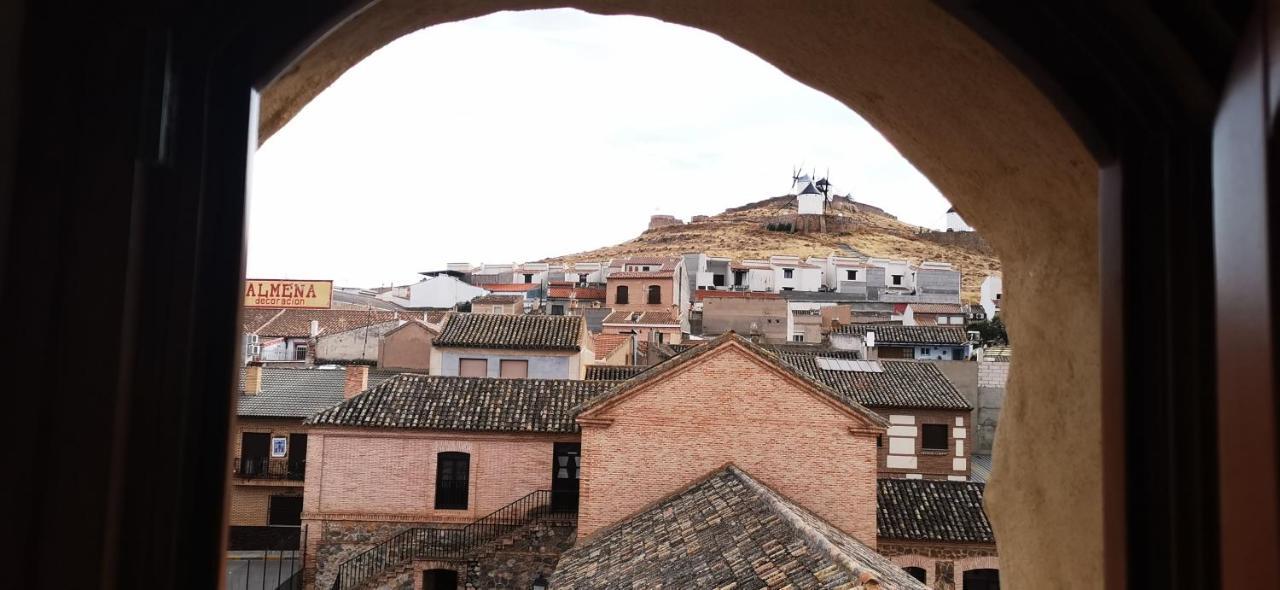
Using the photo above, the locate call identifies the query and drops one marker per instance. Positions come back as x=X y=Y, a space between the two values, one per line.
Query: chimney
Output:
x=253 y=379
x=314 y=328
x=357 y=381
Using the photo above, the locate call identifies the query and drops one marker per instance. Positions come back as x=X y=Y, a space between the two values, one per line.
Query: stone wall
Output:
x=944 y=563
x=516 y=562
x=963 y=239
x=657 y=221
x=992 y=377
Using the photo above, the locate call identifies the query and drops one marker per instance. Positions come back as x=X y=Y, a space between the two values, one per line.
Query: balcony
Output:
x=265 y=468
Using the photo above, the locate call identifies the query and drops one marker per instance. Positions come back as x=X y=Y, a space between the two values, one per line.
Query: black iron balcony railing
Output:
x=452 y=543
x=265 y=468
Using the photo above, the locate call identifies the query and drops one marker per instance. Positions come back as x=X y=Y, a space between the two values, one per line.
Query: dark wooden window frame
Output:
x=451 y=491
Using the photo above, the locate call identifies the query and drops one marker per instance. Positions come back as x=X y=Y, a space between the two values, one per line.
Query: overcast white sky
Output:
x=518 y=136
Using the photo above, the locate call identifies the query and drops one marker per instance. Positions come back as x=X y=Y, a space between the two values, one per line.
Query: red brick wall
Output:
x=362 y=474
x=728 y=407
x=638 y=294
x=249 y=497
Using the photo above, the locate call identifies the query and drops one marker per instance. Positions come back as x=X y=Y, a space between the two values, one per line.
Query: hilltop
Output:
x=740 y=232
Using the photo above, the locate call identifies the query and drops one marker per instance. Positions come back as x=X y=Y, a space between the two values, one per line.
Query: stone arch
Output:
x=984 y=135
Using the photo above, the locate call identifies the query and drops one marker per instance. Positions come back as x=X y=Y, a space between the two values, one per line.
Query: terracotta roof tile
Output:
x=933 y=511
x=664 y=318
x=572 y=292
x=526 y=332
x=603 y=344
x=937 y=308
x=903 y=384
x=296 y=323
x=613 y=372
x=891 y=334
x=465 y=403
x=497 y=300
x=708 y=294
x=510 y=288
x=726 y=531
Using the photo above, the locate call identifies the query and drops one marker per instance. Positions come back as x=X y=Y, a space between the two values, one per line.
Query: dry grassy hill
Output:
x=740 y=233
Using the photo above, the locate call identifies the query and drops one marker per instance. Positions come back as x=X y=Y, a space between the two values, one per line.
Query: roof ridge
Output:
x=812 y=536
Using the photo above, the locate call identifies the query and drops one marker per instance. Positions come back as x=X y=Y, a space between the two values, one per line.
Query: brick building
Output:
x=432 y=454
x=648 y=284
x=929 y=434
x=423 y=468
x=938 y=531
x=269 y=448
x=660 y=327
x=888 y=341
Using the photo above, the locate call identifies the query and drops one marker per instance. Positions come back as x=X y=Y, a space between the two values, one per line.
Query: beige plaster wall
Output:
x=979 y=130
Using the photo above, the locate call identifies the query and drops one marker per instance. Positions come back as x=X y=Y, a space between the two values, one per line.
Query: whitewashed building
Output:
x=991 y=295
x=792 y=274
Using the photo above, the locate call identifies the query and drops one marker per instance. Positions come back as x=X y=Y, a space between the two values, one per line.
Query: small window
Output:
x=453 y=471
x=622 y=295
x=582 y=278
x=717 y=280
x=788 y=288
x=513 y=369
x=851 y=275
x=934 y=437
x=300 y=352
x=473 y=368
x=879 y=441
x=998 y=296
x=797 y=337
x=897 y=279
x=660 y=337
x=528 y=278
x=557 y=310
x=916 y=572
x=655 y=295
x=788 y=273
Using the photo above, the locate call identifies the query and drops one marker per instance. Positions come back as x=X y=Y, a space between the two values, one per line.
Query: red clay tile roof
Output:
x=603 y=344
x=613 y=372
x=510 y=288
x=707 y=294
x=664 y=318
x=296 y=323
x=641 y=274
x=571 y=292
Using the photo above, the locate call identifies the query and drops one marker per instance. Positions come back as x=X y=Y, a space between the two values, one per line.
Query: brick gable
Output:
x=728 y=403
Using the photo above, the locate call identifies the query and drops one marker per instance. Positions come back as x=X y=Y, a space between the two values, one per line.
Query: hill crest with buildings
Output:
x=775 y=226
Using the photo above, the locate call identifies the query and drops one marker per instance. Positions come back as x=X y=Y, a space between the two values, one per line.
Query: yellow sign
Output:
x=284 y=293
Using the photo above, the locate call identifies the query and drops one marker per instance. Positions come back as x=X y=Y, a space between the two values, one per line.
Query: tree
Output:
x=991 y=331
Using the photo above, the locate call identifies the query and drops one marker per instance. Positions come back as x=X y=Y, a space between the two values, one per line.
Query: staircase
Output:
x=446 y=543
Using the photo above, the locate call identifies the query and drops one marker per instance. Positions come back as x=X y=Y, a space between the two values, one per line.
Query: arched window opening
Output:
x=453 y=471
x=916 y=572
